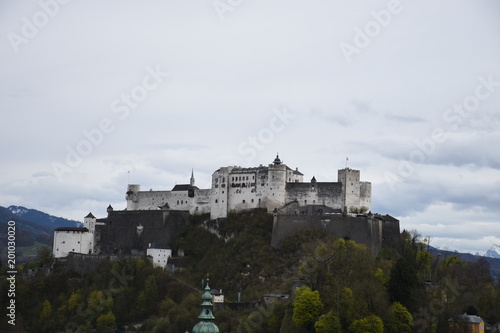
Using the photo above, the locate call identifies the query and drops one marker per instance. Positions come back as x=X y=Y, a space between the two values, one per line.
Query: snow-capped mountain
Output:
x=42 y=218
x=493 y=252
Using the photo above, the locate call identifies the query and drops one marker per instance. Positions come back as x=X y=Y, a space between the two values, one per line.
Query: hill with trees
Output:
x=34 y=229
x=335 y=285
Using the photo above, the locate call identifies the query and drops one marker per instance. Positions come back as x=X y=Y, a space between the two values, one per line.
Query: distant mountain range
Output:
x=31 y=225
x=493 y=261
x=494 y=252
x=42 y=218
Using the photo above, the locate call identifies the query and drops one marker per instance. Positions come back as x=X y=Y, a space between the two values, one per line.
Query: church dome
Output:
x=205 y=327
x=277 y=160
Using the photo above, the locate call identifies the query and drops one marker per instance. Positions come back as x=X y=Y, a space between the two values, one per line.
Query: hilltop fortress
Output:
x=152 y=218
x=272 y=187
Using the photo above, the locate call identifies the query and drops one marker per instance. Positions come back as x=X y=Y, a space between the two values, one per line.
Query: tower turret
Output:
x=277 y=179
x=89 y=222
x=132 y=196
x=277 y=160
x=191 y=181
x=206 y=317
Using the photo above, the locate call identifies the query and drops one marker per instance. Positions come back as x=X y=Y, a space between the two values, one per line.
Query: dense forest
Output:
x=335 y=285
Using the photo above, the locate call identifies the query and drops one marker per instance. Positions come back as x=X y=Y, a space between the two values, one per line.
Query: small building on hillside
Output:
x=72 y=239
x=218 y=299
x=466 y=324
x=159 y=254
x=69 y=239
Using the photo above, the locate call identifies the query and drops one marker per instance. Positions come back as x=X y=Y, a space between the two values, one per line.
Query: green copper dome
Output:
x=205 y=327
x=206 y=324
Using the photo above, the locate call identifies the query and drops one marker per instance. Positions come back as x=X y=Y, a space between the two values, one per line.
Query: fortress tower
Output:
x=355 y=194
x=277 y=178
x=132 y=196
x=89 y=222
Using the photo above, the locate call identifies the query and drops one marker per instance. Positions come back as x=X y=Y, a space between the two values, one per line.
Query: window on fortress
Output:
x=243 y=201
x=252 y=200
x=216 y=201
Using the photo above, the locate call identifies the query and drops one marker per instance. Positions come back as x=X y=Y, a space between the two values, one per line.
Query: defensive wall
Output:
x=84 y=263
x=374 y=231
x=132 y=232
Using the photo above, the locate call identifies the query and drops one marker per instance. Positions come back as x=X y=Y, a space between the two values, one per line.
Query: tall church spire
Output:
x=191 y=181
x=206 y=323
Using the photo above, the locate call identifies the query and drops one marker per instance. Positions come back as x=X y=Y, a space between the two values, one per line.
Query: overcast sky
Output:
x=409 y=91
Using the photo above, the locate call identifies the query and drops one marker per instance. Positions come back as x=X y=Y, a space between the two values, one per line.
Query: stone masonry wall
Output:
x=363 y=230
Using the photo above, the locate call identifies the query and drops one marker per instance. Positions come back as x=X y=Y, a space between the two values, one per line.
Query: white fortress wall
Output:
x=66 y=241
x=236 y=188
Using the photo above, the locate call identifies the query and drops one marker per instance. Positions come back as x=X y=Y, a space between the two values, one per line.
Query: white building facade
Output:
x=160 y=256
x=77 y=240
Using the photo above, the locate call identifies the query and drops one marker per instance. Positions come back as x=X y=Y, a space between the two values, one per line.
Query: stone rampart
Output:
x=367 y=230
